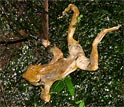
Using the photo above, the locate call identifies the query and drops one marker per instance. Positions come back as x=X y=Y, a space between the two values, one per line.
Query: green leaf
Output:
x=58 y=86
x=69 y=85
x=80 y=17
x=81 y=103
x=78 y=102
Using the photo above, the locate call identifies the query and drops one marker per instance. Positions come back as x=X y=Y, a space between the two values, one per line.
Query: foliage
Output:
x=102 y=88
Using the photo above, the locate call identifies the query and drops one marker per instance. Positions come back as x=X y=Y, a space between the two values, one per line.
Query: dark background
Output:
x=20 y=45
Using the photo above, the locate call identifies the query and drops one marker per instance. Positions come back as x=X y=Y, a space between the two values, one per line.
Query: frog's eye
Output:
x=39 y=81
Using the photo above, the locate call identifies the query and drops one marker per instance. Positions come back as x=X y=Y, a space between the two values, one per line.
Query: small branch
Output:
x=13 y=41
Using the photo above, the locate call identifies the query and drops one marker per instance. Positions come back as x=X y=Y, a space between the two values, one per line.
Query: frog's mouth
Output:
x=37 y=83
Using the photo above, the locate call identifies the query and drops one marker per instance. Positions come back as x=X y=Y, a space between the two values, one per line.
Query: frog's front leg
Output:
x=45 y=92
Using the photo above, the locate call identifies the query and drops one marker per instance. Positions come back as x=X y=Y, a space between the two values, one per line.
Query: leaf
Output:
x=80 y=17
x=57 y=87
x=78 y=102
x=69 y=85
x=81 y=103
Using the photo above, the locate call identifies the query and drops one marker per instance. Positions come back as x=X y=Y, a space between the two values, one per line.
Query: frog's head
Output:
x=32 y=75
